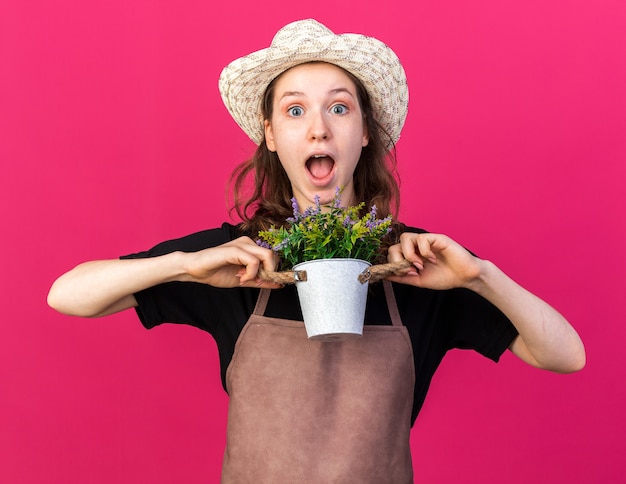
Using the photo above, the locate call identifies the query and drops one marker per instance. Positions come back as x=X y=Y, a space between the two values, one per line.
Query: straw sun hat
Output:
x=243 y=82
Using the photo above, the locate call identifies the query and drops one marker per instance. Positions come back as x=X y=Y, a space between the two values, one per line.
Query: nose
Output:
x=318 y=128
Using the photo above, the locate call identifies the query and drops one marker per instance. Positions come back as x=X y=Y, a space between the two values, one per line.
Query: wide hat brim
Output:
x=244 y=81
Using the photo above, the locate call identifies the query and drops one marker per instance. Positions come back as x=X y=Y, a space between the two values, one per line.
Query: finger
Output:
x=394 y=254
x=412 y=278
x=268 y=258
x=251 y=269
x=245 y=265
x=423 y=243
x=409 y=248
x=251 y=257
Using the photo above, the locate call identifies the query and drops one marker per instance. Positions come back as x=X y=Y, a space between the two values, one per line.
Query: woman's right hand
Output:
x=233 y=264
x=102 y=287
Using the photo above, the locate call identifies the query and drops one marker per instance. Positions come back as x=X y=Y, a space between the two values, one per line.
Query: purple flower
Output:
x=315 y=209
x=284 y=243
x=337 y=200
x=296 y=209
x=263 y=244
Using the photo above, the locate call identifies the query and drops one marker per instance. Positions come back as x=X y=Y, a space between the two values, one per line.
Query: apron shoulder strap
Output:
x=261 y=302
x=394 y=313
x=392 y=304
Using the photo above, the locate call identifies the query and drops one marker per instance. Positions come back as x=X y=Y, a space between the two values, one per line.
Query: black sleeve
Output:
x=184 y=302
x=472 y=322
x=222 y=312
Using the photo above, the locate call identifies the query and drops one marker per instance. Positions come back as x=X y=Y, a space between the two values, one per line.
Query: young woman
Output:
x=325 y=111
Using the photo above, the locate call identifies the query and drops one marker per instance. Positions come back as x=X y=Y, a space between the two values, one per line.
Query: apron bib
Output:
x=303 y=411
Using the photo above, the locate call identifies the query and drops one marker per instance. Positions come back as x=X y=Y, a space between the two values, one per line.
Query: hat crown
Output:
x=300 y=31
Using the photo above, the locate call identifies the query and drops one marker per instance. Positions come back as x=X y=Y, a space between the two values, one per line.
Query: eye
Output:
x=295 y=111
x=339 y=109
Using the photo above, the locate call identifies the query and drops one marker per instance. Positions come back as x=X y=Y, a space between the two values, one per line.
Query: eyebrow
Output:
x=332 y=91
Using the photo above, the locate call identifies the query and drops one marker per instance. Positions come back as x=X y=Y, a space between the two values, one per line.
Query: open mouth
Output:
x=320 y=166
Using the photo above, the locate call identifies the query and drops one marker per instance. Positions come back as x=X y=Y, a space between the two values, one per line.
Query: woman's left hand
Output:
x=546 y=340
x=440 y=262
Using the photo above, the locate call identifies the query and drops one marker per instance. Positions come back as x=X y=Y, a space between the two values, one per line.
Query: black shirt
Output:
x=437 y=321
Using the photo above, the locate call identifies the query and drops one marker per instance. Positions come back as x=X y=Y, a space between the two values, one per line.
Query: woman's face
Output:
x=318 y=131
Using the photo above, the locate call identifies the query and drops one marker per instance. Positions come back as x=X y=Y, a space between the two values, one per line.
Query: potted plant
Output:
x=334 y=245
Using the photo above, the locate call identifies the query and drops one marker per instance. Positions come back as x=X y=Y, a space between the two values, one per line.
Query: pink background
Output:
x=113 y=137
